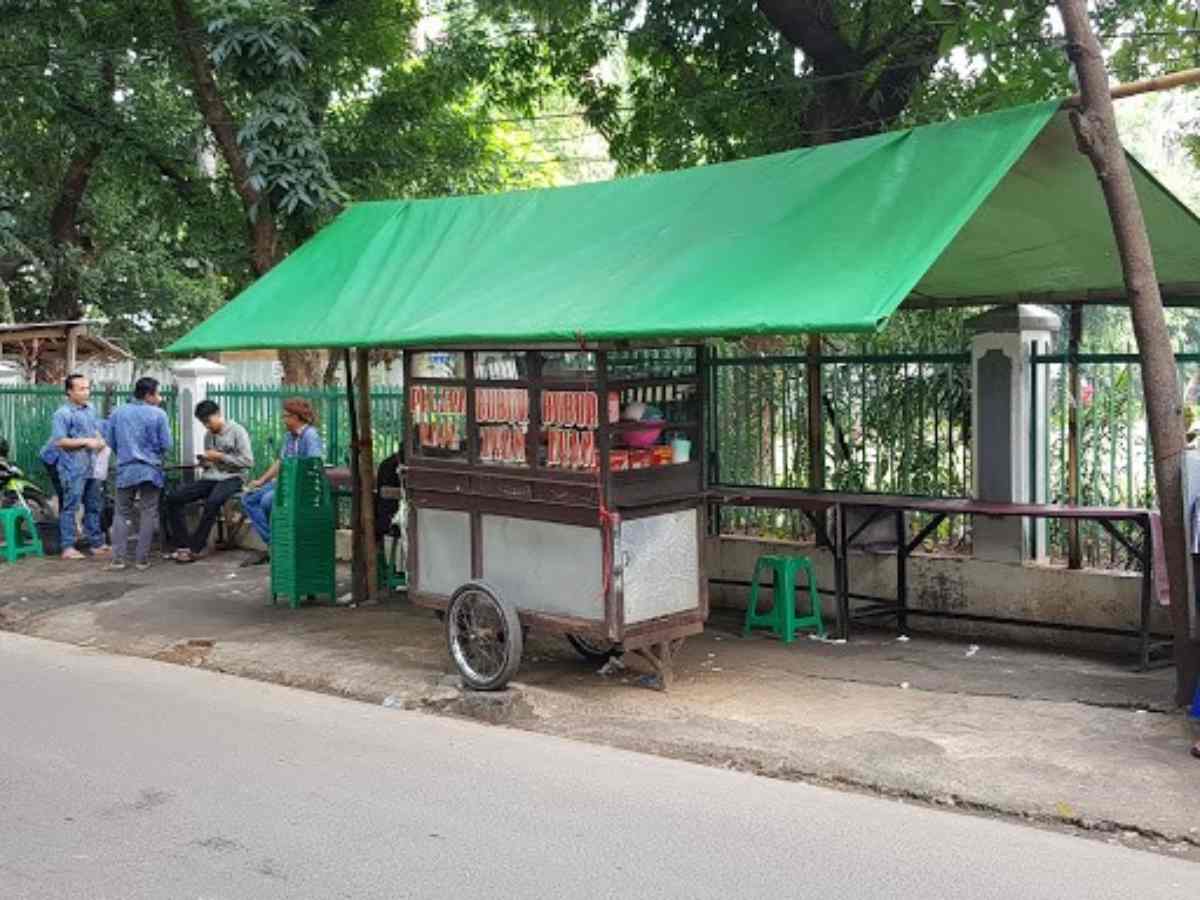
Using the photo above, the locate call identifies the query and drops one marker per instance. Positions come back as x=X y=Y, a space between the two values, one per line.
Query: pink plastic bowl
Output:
x=645 y=436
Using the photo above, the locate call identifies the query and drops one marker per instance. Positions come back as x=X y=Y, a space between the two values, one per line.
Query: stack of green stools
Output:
x=782 y=618
x=15 y=547
x=303 y=520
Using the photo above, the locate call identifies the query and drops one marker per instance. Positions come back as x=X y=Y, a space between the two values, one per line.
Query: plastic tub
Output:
x=645 y=436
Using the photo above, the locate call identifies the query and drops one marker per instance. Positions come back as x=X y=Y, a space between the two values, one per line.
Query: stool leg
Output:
x=814 y=599
x=752 y=618
x=785 y=599
x=35 y=537
x=10 y=537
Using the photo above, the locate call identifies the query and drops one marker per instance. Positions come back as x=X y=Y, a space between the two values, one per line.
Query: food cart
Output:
x=559 y=489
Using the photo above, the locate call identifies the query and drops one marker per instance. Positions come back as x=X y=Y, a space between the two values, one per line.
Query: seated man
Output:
x=225 y=464
x=302 y=440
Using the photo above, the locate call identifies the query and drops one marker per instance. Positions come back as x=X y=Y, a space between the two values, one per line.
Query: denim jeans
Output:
x=89 y=492
x=147 y=496
x=258 y=508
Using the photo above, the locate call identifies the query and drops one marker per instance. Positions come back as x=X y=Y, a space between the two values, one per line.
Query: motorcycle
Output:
x=17 y=490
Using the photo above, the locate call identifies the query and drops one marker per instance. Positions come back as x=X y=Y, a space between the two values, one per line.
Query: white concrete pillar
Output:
x=1010 y=464
x=193 y=380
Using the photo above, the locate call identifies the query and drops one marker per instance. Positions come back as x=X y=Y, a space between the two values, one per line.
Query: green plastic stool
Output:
x=389 y=578
x=10 y=520
x=782 y=619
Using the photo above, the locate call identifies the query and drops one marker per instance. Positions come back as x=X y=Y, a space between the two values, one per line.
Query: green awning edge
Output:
x=431 y=272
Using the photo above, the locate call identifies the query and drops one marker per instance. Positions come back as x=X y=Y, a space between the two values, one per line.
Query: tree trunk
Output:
x=303 y=367
x=1096 y=133
x=64 y=302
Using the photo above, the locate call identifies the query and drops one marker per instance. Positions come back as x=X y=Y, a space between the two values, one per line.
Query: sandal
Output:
x=184 y=556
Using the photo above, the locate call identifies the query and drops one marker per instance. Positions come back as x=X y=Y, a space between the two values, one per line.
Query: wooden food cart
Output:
x=559 y=489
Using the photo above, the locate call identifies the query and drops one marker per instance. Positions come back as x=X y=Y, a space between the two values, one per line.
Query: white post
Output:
x=1010 y=464
x=193 y=380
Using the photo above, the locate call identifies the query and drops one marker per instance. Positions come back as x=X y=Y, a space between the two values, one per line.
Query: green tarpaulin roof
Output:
x=832 y=238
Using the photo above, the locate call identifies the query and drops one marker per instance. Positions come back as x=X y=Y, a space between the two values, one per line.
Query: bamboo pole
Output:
x=1147 y=86
x=1096 y=134
x=366 y=474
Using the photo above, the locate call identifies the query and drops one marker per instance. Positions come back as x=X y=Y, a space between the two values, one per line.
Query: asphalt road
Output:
x=124 y=778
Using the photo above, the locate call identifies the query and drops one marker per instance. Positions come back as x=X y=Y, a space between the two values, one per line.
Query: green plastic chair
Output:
x=14 y=547
x=782 y=619
x=302 y=534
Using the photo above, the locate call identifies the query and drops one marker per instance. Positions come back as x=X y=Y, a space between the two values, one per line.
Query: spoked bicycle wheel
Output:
x=484 y=634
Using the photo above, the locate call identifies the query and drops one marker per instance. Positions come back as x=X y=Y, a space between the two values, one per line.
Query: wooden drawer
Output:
x=568 y=494
x=444 y=482
x=509 y=488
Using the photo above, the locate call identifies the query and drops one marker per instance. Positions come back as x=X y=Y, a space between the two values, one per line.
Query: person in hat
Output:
x=302 y=440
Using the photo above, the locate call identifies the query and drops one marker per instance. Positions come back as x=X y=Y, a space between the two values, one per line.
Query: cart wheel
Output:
x=484 y=634
x=592 y=650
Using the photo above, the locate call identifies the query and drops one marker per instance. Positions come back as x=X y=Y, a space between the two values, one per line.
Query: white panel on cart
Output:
x=545 y=566
x=443 y=550
x=662 y=565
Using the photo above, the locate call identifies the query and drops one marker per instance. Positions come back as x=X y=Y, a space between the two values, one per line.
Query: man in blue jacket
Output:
x=75 y=436
x=140 y=437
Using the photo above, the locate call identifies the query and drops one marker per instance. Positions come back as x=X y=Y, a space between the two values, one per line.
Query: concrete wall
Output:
x=961 y=584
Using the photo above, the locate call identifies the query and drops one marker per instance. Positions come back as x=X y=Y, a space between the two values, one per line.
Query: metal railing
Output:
x=1101 y=455
x=891 y=423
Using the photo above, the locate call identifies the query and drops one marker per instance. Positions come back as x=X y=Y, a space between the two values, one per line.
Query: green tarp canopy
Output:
x=827 y=239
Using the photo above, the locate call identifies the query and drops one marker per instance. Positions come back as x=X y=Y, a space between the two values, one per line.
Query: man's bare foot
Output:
x=103 y=550
x=72 y=553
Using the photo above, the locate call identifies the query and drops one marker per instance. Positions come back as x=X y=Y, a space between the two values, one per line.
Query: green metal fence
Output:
x=26 y=411
x=892 y=423
x=1113 y=460
x=258 y=409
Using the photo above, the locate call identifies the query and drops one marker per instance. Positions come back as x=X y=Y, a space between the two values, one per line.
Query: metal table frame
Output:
x=816 y=505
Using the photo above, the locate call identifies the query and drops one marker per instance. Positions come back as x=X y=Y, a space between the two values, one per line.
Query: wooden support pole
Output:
x=1074 y=336
x=358 y=579
x=366 y=473
x=1096 y=134
x=816 y=424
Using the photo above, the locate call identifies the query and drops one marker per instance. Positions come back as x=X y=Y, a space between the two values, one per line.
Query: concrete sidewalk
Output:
x=1065 y=740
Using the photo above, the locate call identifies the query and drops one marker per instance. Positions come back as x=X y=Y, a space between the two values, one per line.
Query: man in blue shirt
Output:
x=303 y=440
x=140 y=436
x=75 y=436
